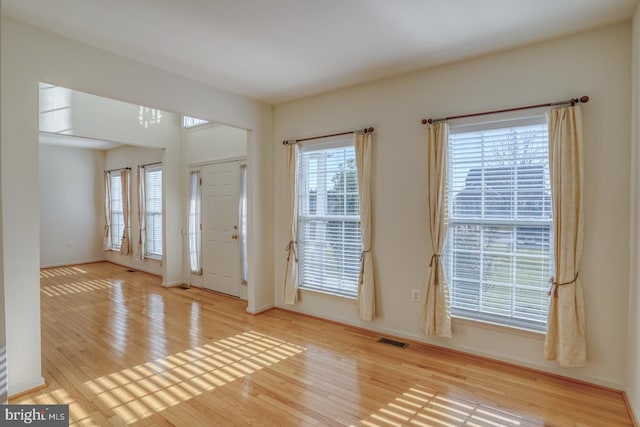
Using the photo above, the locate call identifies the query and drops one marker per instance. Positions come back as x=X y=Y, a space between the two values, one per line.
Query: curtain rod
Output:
x=119 y=169
x=572 y=102
x=295 y=141
x=149 y=164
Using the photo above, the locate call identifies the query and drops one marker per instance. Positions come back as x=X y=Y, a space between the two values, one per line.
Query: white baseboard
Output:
x=171 y=284
x=634 y=411
x=562 y=372
x=259 y=310
x=144 y=270
x=16 y=389
x=557 y=371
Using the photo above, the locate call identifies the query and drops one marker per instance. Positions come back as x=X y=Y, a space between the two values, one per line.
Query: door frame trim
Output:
x=241 y=159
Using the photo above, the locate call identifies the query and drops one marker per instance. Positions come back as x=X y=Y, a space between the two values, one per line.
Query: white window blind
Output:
x=329 y=238
x=499 y=246
x=153 y=192
x=117 y=218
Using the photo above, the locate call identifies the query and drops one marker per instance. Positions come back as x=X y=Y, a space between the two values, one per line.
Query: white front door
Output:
x=220 y=209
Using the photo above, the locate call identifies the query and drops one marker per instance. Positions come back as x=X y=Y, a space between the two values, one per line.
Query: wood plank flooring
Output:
x=122 y=350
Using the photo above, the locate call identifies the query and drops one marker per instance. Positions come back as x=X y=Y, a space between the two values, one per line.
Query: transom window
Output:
x=329 y=238
x=499 y=250
x=189 y=122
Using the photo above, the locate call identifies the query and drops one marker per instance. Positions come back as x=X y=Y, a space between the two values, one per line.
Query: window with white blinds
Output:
x=153 y=192
x=499 y=250
x=117 y=218
x=329 y=238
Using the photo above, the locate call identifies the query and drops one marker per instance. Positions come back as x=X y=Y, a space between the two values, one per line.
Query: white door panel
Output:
x=221 y=252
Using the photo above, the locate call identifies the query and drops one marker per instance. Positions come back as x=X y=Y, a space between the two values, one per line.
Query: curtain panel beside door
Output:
x=106 y=244
x=195 y=222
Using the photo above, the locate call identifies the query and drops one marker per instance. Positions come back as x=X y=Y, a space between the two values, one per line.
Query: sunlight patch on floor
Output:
x=74 y=288
x=77 y=415
x=62 y=271
x=423 y=407
x=138 y=392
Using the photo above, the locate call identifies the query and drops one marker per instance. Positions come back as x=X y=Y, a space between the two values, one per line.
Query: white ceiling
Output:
x=279 y=50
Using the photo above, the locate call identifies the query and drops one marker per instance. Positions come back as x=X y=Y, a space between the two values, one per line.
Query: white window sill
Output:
x=327 y=293
x=498 y=327
x=153 y=257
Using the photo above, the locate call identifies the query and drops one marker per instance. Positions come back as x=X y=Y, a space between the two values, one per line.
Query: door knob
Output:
x=234 y=236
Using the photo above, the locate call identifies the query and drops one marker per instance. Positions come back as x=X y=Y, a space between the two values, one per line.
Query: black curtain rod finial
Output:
x=582 y=100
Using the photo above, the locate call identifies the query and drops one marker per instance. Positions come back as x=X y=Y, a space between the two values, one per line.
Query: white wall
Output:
x=131 y=157
x=30 y=55
x=20 y=217
x=212 y=143
x=3 y=341
x=112 y=120
x=595 y=64
x=633 y=341
x=71 y=205
x=75 y=176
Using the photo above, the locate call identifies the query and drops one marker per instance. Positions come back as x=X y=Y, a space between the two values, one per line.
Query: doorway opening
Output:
x=217 y=208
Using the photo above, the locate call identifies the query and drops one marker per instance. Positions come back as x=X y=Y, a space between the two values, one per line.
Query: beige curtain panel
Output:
x=142 y=212
x=290 y=290
x=106 y=243
x=565 y=338
x=366 y=283
x=125 y=245
x=436 y=319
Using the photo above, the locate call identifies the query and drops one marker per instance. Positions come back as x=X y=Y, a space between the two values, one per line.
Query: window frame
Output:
x=485 y=223
x=348 y=287
x=150 y=231
x=116 y=238
x=190 y=122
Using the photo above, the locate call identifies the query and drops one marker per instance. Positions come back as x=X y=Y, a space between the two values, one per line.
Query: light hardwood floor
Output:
x=122 y=350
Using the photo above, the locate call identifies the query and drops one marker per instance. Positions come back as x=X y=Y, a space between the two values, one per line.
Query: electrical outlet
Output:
x=415 y=295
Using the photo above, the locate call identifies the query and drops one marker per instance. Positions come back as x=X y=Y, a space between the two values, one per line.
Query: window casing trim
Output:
x=512 y=226
x=151 y=215
x=347 y=286
x=117 y=225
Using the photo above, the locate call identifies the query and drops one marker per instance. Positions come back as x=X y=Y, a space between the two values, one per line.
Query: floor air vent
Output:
x=131 y=271
x=393 y=342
